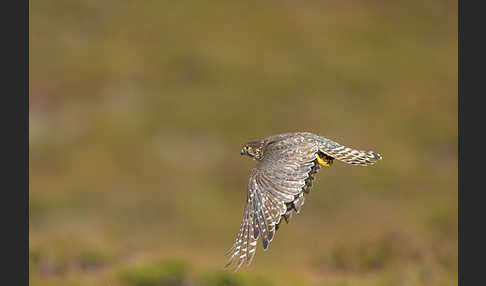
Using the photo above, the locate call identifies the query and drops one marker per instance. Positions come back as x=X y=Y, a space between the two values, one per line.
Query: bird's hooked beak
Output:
x=242 y=152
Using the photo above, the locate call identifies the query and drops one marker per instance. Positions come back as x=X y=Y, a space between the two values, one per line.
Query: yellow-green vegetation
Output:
x=138 y=110
x=169 y=272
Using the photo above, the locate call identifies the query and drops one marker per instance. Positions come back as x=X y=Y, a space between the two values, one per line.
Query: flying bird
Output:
x=278 y=184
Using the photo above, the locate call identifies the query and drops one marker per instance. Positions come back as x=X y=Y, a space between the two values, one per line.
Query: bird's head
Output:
x=253 y=149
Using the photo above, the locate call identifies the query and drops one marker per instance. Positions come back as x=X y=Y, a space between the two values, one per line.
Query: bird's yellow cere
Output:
x=326 y=163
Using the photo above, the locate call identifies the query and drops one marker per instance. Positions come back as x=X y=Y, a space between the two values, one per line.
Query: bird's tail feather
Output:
x=352 y=156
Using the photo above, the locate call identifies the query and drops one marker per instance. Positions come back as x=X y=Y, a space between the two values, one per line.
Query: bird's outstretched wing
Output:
x=276 y=183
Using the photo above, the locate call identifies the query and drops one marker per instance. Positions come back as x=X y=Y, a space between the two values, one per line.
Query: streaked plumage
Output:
x=283 y=175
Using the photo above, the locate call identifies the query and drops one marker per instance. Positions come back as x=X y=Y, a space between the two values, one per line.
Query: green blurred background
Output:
x=138 y=110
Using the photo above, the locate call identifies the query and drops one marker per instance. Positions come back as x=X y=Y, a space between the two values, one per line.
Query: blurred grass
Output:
x=138 y=111
x=169 y=272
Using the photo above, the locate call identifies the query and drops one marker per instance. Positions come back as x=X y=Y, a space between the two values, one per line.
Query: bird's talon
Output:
x=326 y=163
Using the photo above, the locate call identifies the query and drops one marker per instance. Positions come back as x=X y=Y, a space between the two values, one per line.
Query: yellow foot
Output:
x=326 y=163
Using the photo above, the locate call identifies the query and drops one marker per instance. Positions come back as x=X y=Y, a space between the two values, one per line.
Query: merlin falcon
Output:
x=282 y=177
